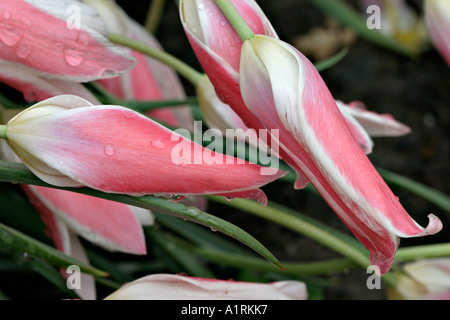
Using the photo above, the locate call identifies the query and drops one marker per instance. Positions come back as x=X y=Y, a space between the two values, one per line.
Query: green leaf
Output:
x=170 y=246
x=14 y=242
x=331 y=61
x=19 y=173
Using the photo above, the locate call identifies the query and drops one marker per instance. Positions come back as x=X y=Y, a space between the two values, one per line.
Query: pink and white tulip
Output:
x=437 y=19
x=149 y=79
x=423 y=280
x=61 y=39
x=66 y=141
x=177 y=287
x=273 y=86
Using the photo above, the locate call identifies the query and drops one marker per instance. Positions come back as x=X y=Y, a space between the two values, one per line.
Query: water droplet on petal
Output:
x=201 y=6
x=10 y=36
x=108 y=73
x=23 y=51
x=229 y=198
x=73 y=57
x=109 y=150
x=223 y=23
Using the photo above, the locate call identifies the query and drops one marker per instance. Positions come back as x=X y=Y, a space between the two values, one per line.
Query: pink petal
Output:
x=176 y=287
x=109 y=224
x=141 y=157
x=36 y=88
x=65 y=241
x=39 y=36
x=314 y=132
x=357 y=130
x=377 y=125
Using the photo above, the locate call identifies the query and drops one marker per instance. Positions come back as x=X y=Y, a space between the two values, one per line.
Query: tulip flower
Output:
x=274 y=86
x=62 y=39
x=66 y=141
x=149 y=79
x=437 y=19
x=423 y=280
x=177 y=287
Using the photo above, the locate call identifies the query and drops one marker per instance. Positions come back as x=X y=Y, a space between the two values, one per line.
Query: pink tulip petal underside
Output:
x=140 y=157
x=109 y=224
x=40 y=36
x=35 y=88
x=65 y=241
x=322 y=145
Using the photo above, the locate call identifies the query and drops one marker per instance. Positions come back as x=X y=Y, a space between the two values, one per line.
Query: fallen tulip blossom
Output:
x=61 y=39
x=178 y=287
x=66 y=141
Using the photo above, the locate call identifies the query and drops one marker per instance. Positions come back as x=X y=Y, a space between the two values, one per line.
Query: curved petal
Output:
x=176 y=287
x=65 y=241
x=289 y=94
x=36 y=88
x=376 y=125
x=45 y=36
x=111 y=225
x=141 y=157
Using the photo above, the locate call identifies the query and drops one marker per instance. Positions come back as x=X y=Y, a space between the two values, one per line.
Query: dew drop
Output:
x=10 y=36
x=23 y=51
x=223 y=23
x=201 y=6
x=108 y=73
x=73 y=58
x=213 y=230
x=229 y=198
x=109 y=150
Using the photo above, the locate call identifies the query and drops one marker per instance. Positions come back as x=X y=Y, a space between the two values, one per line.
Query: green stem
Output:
x=423 y=252
x=307 y=229
x=3 y=131
x=235 y=19
x=306 y=268
x=154 y=15
x=301 y=226
x=182 y=68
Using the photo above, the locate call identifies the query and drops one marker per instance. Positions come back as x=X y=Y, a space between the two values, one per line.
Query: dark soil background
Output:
x=416 y=92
